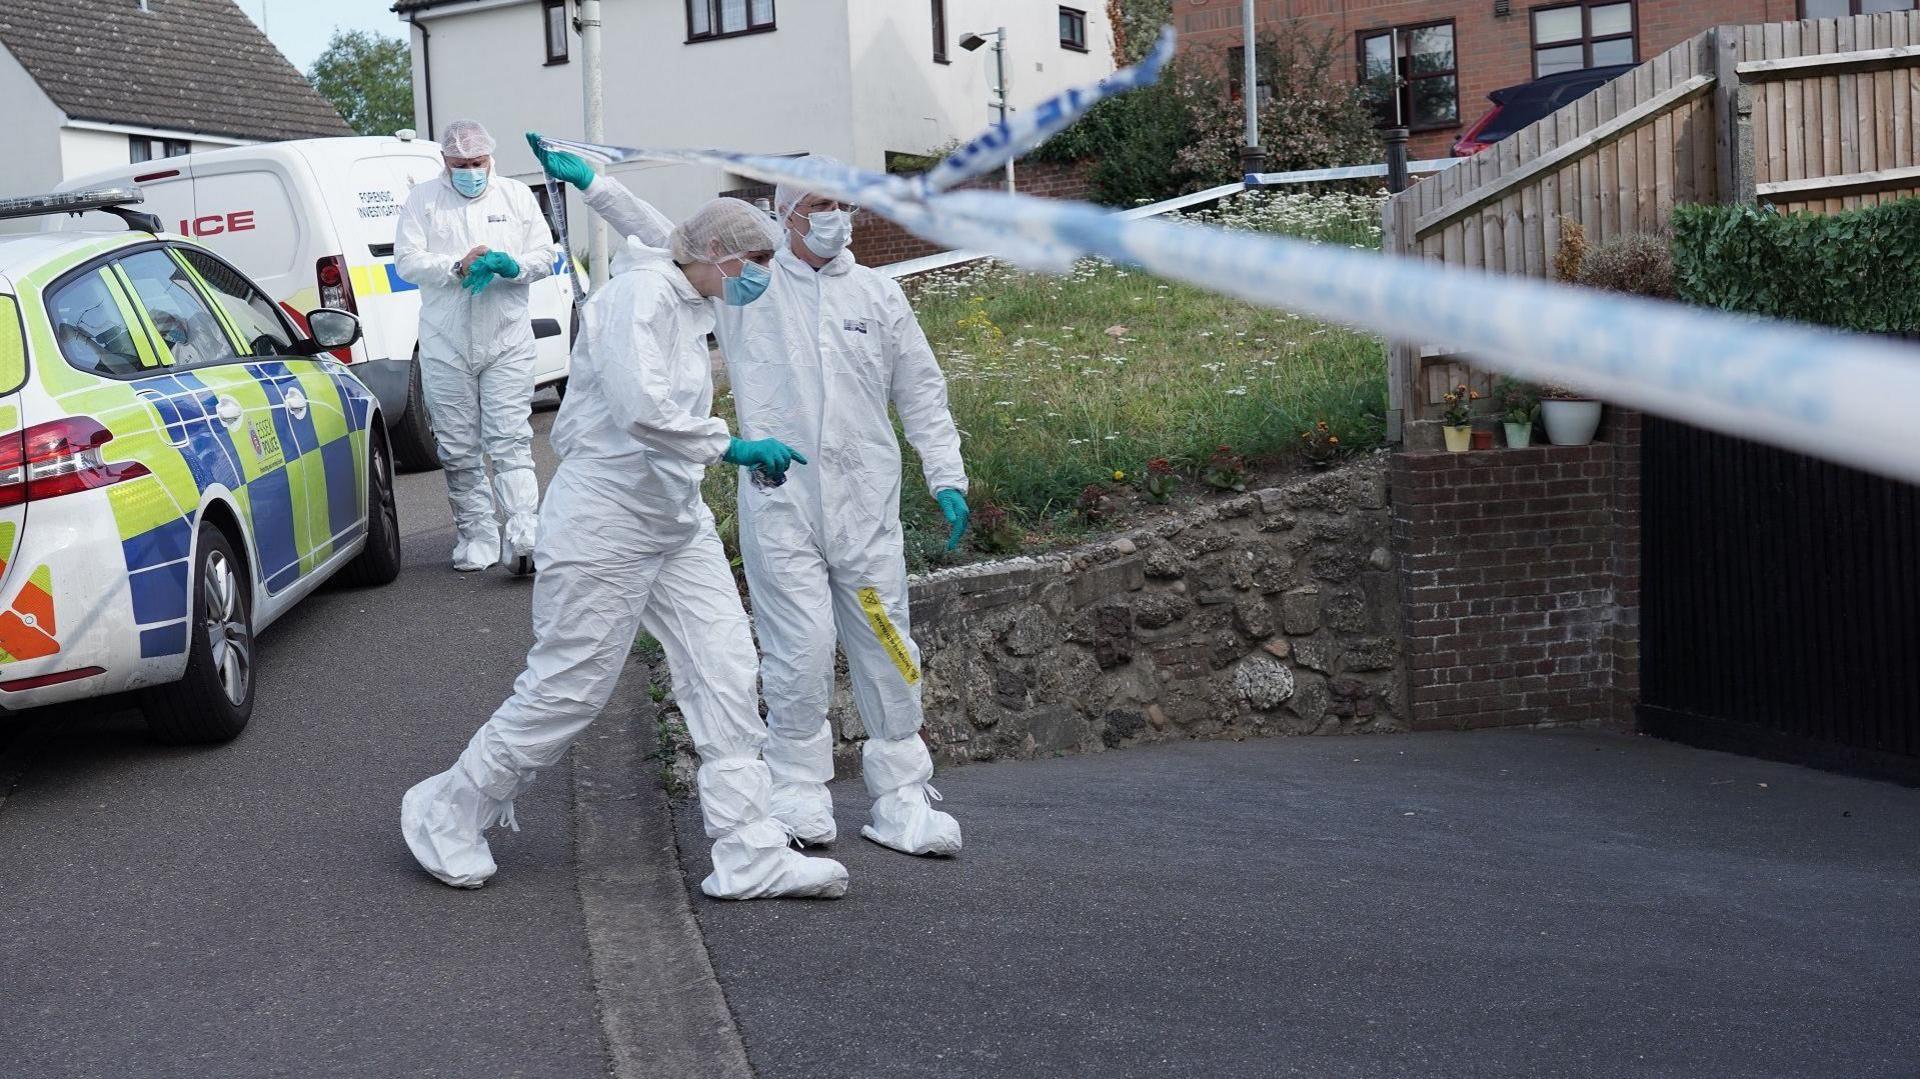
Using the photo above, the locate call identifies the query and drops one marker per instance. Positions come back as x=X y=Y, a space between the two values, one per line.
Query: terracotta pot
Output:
x=1483 y=440
x=1459 y=439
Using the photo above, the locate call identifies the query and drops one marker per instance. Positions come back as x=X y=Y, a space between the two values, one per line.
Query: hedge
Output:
x=1858 y=270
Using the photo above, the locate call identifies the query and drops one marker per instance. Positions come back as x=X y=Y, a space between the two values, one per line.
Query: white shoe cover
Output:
x=475 y=553
x=751 y=858
x=755 y=862
x=444 y=820
x=905 y=821
x=897 y=773
x=807 y=811
x=518 y=548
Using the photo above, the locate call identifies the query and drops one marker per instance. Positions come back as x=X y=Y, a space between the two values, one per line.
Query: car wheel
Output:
x=214 y=699
x=379 y=562
x=415 y=448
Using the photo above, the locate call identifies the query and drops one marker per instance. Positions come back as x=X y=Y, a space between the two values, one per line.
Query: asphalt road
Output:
x=1500 y=904
x=250 y=909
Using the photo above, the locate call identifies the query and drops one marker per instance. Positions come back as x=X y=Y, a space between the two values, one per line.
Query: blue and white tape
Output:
x=1843 y=397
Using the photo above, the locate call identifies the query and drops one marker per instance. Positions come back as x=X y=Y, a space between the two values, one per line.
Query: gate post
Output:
x=1733 y=119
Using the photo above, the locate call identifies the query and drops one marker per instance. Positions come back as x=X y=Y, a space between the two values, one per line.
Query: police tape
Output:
x=1843 y=397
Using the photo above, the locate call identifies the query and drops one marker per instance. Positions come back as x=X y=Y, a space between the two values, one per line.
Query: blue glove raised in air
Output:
x=954 y=505
x=565 y=167
x=769 y=455
x=487 y=267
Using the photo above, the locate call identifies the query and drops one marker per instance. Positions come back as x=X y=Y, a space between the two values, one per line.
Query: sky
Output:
x=301 y=28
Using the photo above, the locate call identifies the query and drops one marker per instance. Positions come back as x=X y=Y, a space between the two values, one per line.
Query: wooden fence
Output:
x=1817 y=115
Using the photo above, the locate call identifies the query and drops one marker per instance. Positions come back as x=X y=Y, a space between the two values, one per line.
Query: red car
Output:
x=1517 y=106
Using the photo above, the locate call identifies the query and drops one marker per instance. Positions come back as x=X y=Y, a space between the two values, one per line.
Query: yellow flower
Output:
x=1118 y=476
x=1333 y=440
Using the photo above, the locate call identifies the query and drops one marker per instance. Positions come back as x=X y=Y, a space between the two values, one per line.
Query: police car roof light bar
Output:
x=111 y=200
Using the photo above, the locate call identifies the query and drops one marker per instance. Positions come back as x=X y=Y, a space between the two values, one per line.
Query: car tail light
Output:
x=336 y=287
x=40 y=681
x=58 y=458
x=1469 y=144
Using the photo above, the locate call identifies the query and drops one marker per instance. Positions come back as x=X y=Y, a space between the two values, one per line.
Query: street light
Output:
x=972 y=42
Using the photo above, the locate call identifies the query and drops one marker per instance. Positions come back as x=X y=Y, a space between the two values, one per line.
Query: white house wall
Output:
x=30 y=163
x=908 y=103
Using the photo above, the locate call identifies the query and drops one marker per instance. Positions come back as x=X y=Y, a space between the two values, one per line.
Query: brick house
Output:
x=1451 y=53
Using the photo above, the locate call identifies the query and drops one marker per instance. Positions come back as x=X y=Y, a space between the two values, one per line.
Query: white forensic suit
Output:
x=627 y=544
x=816 y=363
x=477 y=354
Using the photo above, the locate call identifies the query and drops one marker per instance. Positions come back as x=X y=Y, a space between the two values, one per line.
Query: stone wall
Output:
x=1272 y=612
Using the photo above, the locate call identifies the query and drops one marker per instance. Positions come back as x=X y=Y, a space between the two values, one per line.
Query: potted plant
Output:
x=1571 y=416
x=1456 y=420
x=1519 y=407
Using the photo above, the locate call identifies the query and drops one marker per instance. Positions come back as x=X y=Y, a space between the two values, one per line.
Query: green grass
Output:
x=1058 y=382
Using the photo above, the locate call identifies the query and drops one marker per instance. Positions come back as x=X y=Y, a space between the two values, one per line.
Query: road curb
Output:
x=662 y=1012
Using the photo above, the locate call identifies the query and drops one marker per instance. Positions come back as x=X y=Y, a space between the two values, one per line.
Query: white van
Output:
x=312 y=220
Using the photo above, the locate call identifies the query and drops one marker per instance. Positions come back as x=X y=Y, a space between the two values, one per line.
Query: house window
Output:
x=554 y=13
x=940 y=31
x=709 y=19
x=1838 y=9
x=1236 y=75
x=1571 y=37
x=1410 y=76
x=1073 y=29
x=140 y=148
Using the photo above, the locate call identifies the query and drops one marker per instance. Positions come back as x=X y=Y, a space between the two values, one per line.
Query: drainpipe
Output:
x=426 y=68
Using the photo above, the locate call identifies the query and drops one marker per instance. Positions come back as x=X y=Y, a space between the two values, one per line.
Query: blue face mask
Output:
x=470 y=182
x=748 y=287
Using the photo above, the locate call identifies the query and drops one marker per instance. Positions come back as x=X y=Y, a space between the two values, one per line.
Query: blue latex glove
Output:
x=769 y=455
x=954 y=505
x=562 y=166
x=487 y=267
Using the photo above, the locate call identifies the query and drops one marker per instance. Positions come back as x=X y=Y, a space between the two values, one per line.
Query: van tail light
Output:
x=336 y=287
x=58 y=458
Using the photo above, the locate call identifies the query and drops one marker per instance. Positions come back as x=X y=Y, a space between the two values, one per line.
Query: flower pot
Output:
x=1459 y=439
x=1483 y=440
x=1570 y=423
x=1519 y=435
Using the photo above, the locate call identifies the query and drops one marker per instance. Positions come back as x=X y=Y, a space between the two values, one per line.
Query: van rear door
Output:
x=389 y=305
x=249 y=210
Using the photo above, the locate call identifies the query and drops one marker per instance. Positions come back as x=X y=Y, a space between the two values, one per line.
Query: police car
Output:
x=180 y=463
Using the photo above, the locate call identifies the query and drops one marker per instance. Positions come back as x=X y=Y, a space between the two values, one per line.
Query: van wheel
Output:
x=214 y=700
x=560 y=389
x=379 y=562
x=414 y=447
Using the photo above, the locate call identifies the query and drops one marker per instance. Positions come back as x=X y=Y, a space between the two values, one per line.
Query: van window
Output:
x=247 y=310
x=93 y=325
x=190 y=335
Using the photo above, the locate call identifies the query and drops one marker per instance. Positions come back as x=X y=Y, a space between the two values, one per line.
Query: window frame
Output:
x=1586 y=41
x=1080 y=17
x=1236 y=72
x=1853 y=10
x=1403 y=88
x=547 y=8
x=713 y=20
x=940 y=32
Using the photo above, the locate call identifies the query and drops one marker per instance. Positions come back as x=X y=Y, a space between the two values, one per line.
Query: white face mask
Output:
x=828 y=232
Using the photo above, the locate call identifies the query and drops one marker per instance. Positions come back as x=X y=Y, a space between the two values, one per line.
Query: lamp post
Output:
x=595 y=126
x=1252 y=158
x=970 y=42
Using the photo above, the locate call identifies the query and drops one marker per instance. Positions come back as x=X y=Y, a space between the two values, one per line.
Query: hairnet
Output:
x=788 y=195
x=723 y=229
x=466 y=138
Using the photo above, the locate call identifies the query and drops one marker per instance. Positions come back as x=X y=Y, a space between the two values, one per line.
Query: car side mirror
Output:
x=329 y=328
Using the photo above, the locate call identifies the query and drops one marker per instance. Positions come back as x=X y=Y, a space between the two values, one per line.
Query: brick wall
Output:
x=1492 y=50
x=878 y=242
x=1520 y=576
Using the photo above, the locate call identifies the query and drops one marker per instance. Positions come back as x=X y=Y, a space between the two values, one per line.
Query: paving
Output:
x=1495 y=904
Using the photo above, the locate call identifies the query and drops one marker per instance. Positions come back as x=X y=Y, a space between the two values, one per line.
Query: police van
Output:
x=313 y=220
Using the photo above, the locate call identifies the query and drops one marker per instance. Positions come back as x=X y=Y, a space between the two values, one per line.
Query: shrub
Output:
x=1853 y=270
